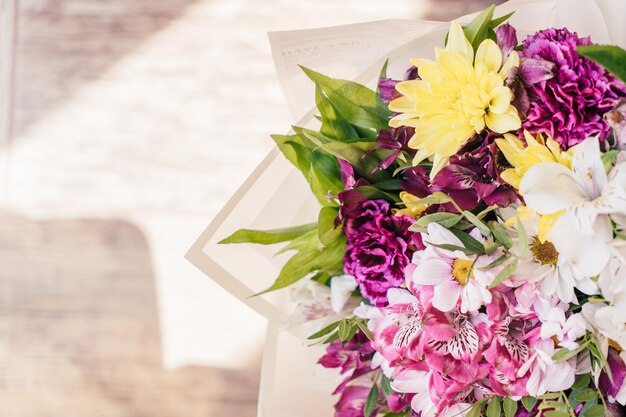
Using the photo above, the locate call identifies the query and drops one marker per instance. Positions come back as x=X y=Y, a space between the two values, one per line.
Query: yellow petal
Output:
x=546 y=222
x=511 y=177
x=501 y=97
x=511 y=62
x=505 y=122
x=457 y=42
x=489 y=54
x=438 y=164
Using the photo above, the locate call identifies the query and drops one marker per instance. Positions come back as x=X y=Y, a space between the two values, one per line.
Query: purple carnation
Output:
x=571 y=104
x=377 y=249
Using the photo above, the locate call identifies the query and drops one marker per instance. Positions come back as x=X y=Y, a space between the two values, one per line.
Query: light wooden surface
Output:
x=134 y=122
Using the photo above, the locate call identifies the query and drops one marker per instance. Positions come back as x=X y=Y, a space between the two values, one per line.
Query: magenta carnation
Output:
x=377 y=249
x=571 y=104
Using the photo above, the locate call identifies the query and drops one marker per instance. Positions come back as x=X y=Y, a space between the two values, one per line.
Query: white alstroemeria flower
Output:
x=341 y=289
x=587 y=196
x=565 y=330
x=606 y=322
x=612 y=279
x=316 y=301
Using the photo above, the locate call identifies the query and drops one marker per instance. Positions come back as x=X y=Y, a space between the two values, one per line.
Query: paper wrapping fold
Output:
x=276 y=195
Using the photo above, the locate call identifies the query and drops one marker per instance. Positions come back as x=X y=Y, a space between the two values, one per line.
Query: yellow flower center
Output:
x=545 y=252
x=462 y=271
x=615 y=345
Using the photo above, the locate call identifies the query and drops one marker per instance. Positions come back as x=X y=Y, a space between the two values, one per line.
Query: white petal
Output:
x=588 y=255
x=588 y=168
x=341 y=288
x=439 y=235
x=431 y=271
x=446 y=296
x=400 y=296
x=549 y=187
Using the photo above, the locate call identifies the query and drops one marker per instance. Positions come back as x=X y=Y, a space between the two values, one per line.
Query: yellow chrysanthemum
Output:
x=523 y=156
x=412 y=210
x=458 y=95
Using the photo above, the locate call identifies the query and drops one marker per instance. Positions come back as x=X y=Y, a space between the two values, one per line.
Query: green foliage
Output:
x=371 y=402
x=611 y=57
x=268 y=237
x=328 y=259
x=482 y=27
x=356 y=103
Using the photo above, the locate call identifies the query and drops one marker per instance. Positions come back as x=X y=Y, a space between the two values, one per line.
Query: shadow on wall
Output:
x=79 y=329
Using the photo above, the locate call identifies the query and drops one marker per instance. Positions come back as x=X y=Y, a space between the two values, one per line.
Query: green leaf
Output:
x=268 y=237
x=383 y=71
x=506 y=272
x=597 y=410
x=581 y=382
x=586 y=395
x=608 y=159
x=344 y=330
x=494 y=409
x=523 y=237
x=287 y=145
x=371 y=402
x=468 y=241
x=324 y=331
x=357 y=104
x=306 y=242
x=490 y=246
x=453 y=248
x=435 y=198
x=501 y=234
x=611 y=57
x=446 y=220
x=365 y=330
x=326 y=230
x=334 y=125
x=529 y=403
x=389 y=185
x=502 y=259
x=510 y=407
x=385 y=385
x=498 y=21
x=564 y=354
x=482 y=227
x=325 y=179
x=555 y=413
x=476 y=409
x=476 y=30
x=373 y=193
x=303 y=263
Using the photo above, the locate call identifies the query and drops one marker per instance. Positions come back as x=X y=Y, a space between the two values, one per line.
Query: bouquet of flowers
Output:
x=469 y=256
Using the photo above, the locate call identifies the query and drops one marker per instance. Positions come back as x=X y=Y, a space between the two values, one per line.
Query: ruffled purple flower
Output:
x=570 y=105
x=378 y=249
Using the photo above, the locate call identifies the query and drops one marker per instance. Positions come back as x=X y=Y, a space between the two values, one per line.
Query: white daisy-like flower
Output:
x=450 y=272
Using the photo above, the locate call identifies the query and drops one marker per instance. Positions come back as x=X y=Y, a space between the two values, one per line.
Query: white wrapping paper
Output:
x=276 y=196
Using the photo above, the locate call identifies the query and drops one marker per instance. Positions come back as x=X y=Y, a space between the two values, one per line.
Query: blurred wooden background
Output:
x=133 y=122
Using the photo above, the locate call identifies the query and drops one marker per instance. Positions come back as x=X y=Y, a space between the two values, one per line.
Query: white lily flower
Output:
x=587 y=196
